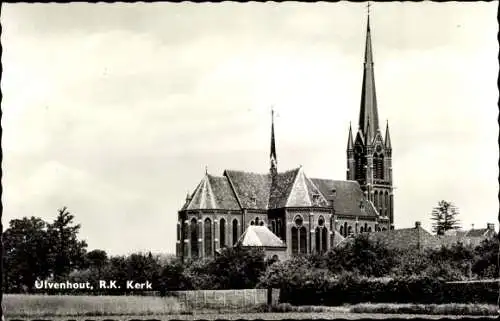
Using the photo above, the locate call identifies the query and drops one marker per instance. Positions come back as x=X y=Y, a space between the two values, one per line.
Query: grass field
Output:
x=29 y=306
x=19 y=305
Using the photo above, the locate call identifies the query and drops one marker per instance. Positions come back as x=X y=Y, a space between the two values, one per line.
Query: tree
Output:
x=67 y=251
x=363 y=255
x=96 y=260
x=445 y=218
x=26 y=253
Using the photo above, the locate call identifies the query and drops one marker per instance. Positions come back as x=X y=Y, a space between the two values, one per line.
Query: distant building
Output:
x=419 y=238
x=309 y=215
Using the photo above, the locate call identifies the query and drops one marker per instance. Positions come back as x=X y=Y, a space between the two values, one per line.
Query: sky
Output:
x=115 y=110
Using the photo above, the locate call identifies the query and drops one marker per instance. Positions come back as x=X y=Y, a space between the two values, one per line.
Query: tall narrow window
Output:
x=222 y=232
x=345 y=229
x=208 y=237
x=375 y=199
x=303 y=240
x=299 y=236
x=349 y=230
x=279 y=229
x=235 y=231
x=317 y=240
x=295 y=240
x=324 y=239
x=341 y=230
x=194 y=238
x=273 y=227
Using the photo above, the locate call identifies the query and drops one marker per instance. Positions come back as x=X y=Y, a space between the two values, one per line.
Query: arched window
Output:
x=387 y=204
x=369 y=229
x=273 y=227
x=378 y=166
x=222 y=232
x=321 y=236
x=235 y=231
x=345 y=229
x=257 y=221
x=299 y=236
x=179 y=236
x=349 y=230
x=252 y=223
x=375 y=199
x=194 y=238
x=361 y=229
x=261 y=223
x=366 y=227
x=278 y=228
x=324 y=239
x=295 y=240
x=208 y=237
x=303 y=240
x=317 y=236
x=341 y=230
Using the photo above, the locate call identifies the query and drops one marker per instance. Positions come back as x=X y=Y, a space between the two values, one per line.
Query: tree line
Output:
x=38 y=250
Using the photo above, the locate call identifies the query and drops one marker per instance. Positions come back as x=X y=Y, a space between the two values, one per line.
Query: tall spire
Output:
x=350 y=141
x=387 y=137
x=368 y=108
x=273 y=158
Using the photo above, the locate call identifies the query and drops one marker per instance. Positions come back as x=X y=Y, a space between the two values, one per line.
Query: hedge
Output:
x=416 y=290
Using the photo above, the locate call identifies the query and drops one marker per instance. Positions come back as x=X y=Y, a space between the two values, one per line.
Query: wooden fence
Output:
x=226 y=299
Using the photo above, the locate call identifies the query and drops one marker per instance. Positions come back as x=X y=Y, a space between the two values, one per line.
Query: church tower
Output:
x=369 y=156
x=272 y=156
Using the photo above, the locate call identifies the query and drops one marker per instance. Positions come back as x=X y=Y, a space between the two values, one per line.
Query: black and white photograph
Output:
x=256 y=160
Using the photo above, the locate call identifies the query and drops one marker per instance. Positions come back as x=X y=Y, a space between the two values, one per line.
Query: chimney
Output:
x=418 y=224
x=490 y=226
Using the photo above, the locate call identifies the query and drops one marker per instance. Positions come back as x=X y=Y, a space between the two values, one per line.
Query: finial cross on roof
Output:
x=368 y=5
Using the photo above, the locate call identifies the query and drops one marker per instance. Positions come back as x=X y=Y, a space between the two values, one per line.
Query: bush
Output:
x=361 y=254
x=234 y=268
x=352 y=289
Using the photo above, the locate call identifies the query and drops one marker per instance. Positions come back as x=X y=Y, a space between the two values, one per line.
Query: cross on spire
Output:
x=368 y=5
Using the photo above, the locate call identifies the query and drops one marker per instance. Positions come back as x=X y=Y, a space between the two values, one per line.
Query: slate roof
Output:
x=252 y=189
x=281 y=188
x=477 y=232
x=261 y=236
x=244 y=190
x=212 y=193
x=348 y=197
x=404 y=238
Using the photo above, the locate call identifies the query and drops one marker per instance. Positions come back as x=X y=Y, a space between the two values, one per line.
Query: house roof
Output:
x=259 y=236
x=477 y=232
x=406 y=237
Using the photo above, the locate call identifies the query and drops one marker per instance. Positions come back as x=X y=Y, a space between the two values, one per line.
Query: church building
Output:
x=306 y=214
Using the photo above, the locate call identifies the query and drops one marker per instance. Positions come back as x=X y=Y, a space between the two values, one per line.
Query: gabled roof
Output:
x=212 y=192
x=304 y=193
x=259 y=236
x=406 y=237
x=477 y=232
x=252 y=189
x=281 y=188
x=348 y=198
